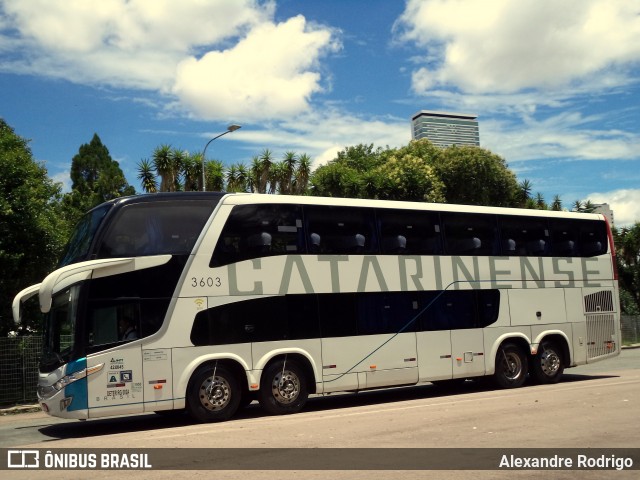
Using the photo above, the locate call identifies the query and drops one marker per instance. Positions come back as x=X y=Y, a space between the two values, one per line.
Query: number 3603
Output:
x=206 y=282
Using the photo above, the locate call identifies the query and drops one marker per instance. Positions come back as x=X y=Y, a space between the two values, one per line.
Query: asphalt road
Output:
x=595 y=406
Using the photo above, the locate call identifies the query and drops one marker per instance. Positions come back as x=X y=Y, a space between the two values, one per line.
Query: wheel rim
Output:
x=215 y=393
x=285 y=387
x=550 y=362
x=512 y=366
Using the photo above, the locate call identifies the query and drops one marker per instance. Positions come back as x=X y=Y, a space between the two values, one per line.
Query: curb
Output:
x=19 y=409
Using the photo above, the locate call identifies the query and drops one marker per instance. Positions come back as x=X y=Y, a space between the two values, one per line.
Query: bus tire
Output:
x=511 y=366
x=283 y=388
x=213 y=397
x=548 y=364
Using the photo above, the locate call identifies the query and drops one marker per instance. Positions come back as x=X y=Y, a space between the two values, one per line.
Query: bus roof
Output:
x=257 y=198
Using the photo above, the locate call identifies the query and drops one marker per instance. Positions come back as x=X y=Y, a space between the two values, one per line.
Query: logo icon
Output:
x=23 y=459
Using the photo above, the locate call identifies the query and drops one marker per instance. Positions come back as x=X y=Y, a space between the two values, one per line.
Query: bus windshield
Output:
x=78 y=247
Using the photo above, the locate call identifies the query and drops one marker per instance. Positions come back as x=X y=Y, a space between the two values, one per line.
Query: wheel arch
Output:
x=559 y=338
x=300 y=357
x=520 y=340
x=234 y=364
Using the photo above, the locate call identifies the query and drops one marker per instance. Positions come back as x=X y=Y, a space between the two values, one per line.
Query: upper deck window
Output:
x=82 y=237
x=155 y=228
x=254 y=231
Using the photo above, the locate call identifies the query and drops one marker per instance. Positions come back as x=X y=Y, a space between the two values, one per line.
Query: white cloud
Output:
x=624 y=203
x=322 y=134
x=565 y=135
x=121 y=43
x=271 y=73
x=504 y=46
x=221 y=58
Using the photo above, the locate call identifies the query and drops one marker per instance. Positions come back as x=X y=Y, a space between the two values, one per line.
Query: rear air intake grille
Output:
x=600 y=335
x=599 y=302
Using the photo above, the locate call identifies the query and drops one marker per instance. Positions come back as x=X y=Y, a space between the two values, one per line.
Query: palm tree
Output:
x=556 y=206
x=301 y=181
x=232 y=178
x=277 y=177
x=237 y=177
x=578 y=206
x=192 y=172
x=588 y=207
x=525 y=191
x=178 y=158
x=214 y=171
x=289 y=161
x=254 y=174
x=147 y=176
x=242 y=176
x=540 y=203
x=164 y=166
x=266 y=162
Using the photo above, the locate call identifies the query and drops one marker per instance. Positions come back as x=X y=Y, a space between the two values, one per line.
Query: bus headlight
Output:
x=45 y=392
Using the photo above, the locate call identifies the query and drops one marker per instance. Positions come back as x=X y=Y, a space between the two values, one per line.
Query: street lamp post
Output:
x=230 y=128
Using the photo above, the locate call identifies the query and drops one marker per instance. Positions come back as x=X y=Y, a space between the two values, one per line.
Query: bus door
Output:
x=460 y=311
x=117 y=388
x=364 y=344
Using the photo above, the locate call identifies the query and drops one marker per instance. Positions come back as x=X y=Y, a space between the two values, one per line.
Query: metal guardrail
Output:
x=19 y=359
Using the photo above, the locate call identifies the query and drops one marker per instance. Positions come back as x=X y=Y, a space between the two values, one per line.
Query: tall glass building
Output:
x=445 y=129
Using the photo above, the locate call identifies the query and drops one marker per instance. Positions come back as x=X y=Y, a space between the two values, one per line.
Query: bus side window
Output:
x=565 y=236
x=593 y=238
x=338 y=314
x=467 y=234
x=340 y=230
x=458 y=309
x=409 y=233
x=254 y=231
x=522 y=236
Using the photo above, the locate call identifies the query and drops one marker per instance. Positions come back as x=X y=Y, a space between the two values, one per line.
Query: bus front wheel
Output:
x=511 y=366
x=548 y=364
x=283 y=388
x=213 y=394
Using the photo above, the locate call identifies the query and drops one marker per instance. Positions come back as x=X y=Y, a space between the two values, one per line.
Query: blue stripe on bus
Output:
x=78 y=389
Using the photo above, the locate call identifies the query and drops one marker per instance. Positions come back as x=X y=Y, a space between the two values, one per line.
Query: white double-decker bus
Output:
x=204 y=302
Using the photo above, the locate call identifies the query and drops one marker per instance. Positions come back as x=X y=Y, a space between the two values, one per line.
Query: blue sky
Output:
x=555 y=85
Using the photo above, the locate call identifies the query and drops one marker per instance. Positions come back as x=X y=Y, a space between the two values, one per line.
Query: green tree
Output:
x=627 y=242
x=475 y=176
x=419 y=171
x=33 y=229
x=349 y=174
x=95 y=177
x=408 y=174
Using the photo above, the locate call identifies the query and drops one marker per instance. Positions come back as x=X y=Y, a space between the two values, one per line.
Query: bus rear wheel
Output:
x=213 y=394
x=511 y=366
x=548 y=363
x=283 y=388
